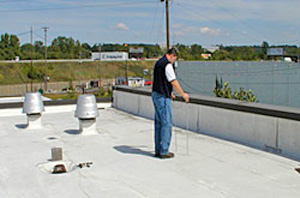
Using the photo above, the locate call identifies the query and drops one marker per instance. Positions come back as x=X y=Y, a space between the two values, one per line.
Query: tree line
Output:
x=68 y=48
x=252 y=53
x=60 y=48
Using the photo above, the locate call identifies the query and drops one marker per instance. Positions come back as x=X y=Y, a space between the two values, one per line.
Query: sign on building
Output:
x=136 y=50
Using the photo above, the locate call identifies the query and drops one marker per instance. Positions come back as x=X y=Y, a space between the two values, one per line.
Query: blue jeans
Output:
x=163 y=123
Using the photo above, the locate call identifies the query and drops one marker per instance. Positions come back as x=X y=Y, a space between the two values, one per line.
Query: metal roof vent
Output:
x=86 y=112
x=86 y=107
x=33 y=106
x=33 y=103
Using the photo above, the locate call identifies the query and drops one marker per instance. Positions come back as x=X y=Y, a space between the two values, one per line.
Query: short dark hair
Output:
x=172 y=51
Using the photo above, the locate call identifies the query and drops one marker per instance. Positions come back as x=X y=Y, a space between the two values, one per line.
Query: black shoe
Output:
x=157 y=155
x=168 y=155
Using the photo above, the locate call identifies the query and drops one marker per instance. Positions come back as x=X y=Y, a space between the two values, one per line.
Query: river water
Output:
x=275 y=83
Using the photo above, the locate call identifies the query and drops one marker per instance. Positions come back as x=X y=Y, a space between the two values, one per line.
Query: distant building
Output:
x=213 y=49
x=136 y=52
x=110 y=56
x=132 y=81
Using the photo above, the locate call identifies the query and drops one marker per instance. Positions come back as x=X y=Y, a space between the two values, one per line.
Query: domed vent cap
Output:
x=33 y=103
x=86 y=107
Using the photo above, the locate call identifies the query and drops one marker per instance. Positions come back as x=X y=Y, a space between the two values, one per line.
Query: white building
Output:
x=132 y=81
x=212 y=49
x=136 y=81
x=110 y=56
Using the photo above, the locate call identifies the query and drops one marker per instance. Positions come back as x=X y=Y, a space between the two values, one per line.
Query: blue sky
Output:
x=230 y=22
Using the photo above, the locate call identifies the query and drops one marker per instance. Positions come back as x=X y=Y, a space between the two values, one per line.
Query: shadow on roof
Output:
x=133 y=150
x=21 y=126
x=73 y=131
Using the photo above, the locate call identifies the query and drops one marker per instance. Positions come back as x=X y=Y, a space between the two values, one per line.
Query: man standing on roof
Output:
x=162 y=93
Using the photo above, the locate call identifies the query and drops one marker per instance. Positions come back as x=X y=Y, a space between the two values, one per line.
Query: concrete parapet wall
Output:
x=270 y=128
x=289 y=138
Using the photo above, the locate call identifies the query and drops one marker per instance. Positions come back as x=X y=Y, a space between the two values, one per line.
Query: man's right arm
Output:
x=178 y=89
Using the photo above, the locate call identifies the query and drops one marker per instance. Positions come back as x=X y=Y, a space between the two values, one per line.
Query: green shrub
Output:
x=226 y=92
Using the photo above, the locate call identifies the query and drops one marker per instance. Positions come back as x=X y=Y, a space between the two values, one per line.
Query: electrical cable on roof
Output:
x=256 y=84
x=190 y=87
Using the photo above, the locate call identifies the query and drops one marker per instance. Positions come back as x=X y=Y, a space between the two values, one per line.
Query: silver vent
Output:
x=33 y=103
x=86 y=107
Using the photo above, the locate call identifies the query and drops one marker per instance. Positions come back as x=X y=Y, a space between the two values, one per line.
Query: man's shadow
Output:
x=133 y=150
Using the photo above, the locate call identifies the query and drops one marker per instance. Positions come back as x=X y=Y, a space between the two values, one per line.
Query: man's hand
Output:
x=178 y=88
x=186 y=97
x=173 y=96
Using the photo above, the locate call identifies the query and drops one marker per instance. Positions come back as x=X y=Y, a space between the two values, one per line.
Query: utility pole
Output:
x=126 y=75
x=167 y=23
x=31 y=56
x=46 y=77
x=100 y=83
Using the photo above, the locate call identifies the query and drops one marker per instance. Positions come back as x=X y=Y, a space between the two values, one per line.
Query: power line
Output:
x=23 y=33
x=11 y=1
x=242 y=23
x=160 y=25
x=41 y=37
x=216 y=22
x=80 y=7
x=38 y=35
x=154 y=20
x=236 y=18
